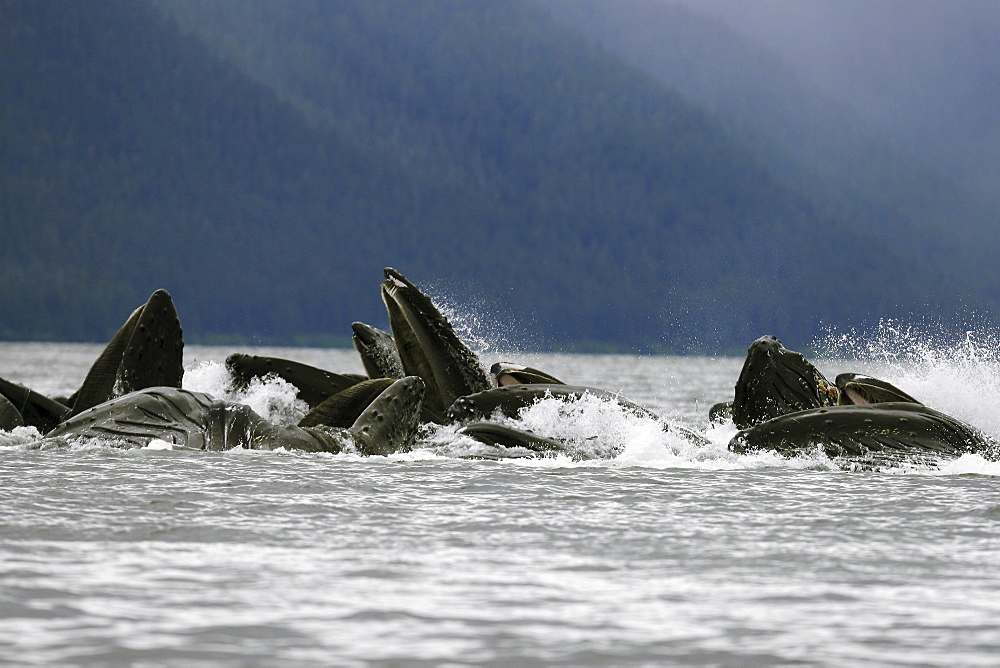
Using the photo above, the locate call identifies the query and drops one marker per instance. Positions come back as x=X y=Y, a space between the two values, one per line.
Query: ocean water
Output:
x=655 y=551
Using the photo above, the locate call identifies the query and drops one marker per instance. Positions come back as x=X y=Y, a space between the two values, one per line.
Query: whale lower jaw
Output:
x=867 y=436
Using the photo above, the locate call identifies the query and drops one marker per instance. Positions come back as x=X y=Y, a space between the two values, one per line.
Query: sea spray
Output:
x=591 y=427
x=966 y=465
x=955 y=372
x=480 y=327
x=600 y=432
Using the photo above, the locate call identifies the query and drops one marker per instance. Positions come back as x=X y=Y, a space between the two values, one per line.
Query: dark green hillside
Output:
x=264 y=170
x=134 y=159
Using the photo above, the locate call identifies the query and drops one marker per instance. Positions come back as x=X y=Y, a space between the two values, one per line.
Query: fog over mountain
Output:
x=925 y=73
x=923 y=196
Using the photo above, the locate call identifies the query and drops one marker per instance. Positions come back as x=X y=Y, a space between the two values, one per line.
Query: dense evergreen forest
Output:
x=263 y=161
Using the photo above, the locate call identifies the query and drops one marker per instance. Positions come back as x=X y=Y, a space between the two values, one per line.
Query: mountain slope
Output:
x=924 y=72
x=265 y=169
x=134 y=159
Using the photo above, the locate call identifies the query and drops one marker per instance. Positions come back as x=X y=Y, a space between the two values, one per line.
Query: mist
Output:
x=923 y=73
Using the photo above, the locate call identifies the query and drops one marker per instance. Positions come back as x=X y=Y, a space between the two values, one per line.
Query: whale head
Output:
x=775 y=381
x=390 y=422
x=377 y=350
x=428 y=346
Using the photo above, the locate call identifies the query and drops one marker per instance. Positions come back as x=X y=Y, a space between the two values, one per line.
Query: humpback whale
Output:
x=147 y=351
x=10 y=417
x=33 y=409
x=775 y=381
x=867 y=435
x=378 y=351
x=721 y=413
x=196 y=421
x=428 y=346
x=508 y=373
x=784 y=404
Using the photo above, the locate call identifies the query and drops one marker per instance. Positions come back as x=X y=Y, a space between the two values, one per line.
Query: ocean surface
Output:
x=654 y=551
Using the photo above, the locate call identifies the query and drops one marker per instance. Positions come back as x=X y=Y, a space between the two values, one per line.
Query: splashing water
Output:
x=599 y=432
x=591 y=427
x=478 y=327
x=957 y=373
x=273 y=398
x=18 y=436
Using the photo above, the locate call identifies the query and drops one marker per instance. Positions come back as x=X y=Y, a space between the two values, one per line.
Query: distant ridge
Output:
x=266 y=167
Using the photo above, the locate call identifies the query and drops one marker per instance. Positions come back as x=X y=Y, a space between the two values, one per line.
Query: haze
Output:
x=924 y=73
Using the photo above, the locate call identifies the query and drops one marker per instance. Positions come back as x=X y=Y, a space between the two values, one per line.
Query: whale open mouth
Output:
x=858 y=389
x=508 y=373
x=428 y=346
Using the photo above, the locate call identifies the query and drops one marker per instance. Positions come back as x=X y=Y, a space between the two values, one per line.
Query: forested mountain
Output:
x=133 y=159
x=264 y=160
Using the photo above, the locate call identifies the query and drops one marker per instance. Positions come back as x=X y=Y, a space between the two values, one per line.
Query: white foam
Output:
x=208 y=377
x=19 y=436
x=591 y=427
x=273 y=398
x=969 y=464
x=600 y=433
x=157 y=444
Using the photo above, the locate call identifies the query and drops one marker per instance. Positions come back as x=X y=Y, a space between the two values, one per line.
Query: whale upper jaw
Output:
x=428 y=345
